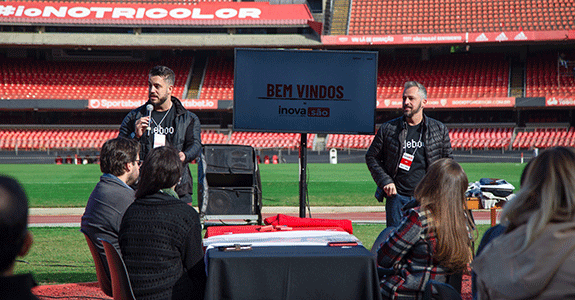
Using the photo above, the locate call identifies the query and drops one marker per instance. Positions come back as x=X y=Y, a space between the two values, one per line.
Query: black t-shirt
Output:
x=163 y=123
x=405 y=181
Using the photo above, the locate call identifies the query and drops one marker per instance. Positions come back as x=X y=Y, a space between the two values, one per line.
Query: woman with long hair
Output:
x=434 y=238
x=160 y=236
x=535 y=257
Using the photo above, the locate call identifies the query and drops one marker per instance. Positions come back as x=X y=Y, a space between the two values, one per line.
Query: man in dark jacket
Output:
x=402 y=150
x=166 y=123
x=120 y=165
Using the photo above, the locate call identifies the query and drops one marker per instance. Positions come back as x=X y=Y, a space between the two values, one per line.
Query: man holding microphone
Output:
x=162 y=121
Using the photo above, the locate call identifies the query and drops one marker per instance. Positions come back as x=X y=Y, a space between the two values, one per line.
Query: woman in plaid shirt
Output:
x=434 y=238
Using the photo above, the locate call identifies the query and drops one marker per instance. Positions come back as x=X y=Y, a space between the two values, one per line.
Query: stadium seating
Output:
x=489 y=138
x=348 y=141
x=480 y=138
x=378 y=17
x=213 y=137
x=542 y=78
x=461 y=76
x=142 y=1
x=268 y=140
x=38 y=79
x=544 y=138
x=218 y=81
x=43 y=139
x=84 y=139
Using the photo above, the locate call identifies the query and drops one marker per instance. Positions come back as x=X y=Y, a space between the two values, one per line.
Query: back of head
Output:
x=116 y=153
x=163 y=72
x=161 y=169
x=442 y=193
x=547 y=192
x=13 y=220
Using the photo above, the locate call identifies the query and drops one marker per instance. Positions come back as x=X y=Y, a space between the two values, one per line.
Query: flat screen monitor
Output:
x=305 y=91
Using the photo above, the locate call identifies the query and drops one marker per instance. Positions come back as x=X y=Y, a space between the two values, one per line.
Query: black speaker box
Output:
x=229 y=181
x=231 y=201
x=229 y=159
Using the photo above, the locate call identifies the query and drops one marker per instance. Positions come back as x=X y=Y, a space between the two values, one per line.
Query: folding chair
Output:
x=121 y=286
x=103 y=277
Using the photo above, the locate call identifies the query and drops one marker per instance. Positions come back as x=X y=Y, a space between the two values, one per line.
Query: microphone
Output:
x=149 y=108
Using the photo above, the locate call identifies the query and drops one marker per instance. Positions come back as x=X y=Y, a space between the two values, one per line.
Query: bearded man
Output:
x=163 y=121
x=120 y=166
x=402 y=149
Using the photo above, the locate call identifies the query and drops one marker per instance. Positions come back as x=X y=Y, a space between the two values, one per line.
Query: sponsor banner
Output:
x=393 y=39
x=448 y=38
x=560 y=101
x=453 y=102
x=517 y=36
x=194 y=104
x=290 y=91
x=205 y=13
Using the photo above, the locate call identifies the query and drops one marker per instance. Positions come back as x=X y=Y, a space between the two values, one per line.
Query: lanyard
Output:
x=416 y=148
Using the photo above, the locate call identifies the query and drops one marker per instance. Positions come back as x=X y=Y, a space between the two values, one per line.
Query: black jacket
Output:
x=385 y=152
x=187 y=138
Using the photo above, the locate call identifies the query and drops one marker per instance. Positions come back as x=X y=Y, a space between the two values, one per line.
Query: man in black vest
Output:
x=168 y=123
x=402 y=150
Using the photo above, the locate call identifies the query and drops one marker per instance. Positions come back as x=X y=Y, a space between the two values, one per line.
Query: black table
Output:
x=292 y=272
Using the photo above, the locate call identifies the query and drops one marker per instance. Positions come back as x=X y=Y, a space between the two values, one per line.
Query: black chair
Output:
x=444 y=291
x=121 y=286
x=103 y=277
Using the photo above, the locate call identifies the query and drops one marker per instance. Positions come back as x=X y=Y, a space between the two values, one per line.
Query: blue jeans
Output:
x=393 y=212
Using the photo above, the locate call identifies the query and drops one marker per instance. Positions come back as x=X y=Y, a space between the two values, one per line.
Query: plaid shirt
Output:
x=409 y=250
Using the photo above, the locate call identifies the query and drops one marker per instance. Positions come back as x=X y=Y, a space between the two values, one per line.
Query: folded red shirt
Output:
x=282 y=219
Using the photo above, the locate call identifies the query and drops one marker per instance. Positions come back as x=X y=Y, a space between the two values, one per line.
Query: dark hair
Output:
x=162 y=169
x=163 y=72
x=13 y=220
x=116 y=153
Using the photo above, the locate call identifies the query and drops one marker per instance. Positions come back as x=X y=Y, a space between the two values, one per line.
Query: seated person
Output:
x=15 y=240
x=535 y=257
x=160 y=236
x=120 y=165
x=490 y=235
x=433 y=239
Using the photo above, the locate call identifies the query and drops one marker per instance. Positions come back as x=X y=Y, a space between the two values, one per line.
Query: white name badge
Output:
x=406 y=160
x=159 y=140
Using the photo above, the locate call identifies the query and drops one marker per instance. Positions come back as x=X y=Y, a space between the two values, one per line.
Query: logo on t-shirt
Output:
x=163 y=130
x=413 y=144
